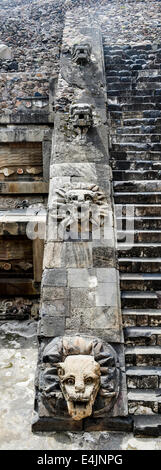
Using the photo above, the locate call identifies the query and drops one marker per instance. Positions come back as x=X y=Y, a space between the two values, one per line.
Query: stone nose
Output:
x=79 y=386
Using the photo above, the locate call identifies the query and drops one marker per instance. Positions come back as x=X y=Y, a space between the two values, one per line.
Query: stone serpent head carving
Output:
x=88 y=376
x=80 y=209
x=81 y=115
x=81 y=53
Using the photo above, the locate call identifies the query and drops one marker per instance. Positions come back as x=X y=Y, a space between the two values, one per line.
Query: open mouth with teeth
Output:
x=79 y=409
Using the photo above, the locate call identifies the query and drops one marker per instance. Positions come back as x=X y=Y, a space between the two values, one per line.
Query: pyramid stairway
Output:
x=134 y=116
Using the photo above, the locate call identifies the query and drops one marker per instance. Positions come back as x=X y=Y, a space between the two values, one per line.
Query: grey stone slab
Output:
x=107 y=275
x=107 y=294
x=54 y=277
x=51 y=326
x=79 y=170
x=54 y=293
x=81 y=297
x=58 y=307
x=101 y=322
x=82 y=278
x=68 y=254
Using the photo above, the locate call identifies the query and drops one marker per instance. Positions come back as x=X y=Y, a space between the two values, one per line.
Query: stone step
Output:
x=130 y=166
x=136 y=146
x=142 y=336
x=138 y=165
x=128 y=250
x=129 y=65
x=117 y=74
x=143 y=356
x=130 y=54
x=137 y=156
x=137 y=197
x=143 y=371
x=144 y=350
x=144 y=395
x=136 y=139
x=138 y=130
x=119 y=85
x=124 y=94
x=139 y=106
x=150 y=312
x=147 y=114
x=138 y=223
x=141 y=123
x=140 y=281
x=135 y=299
x=137 y=186
x=144 y=331
x=139 y=236
x=134 y=265
x=137 y=97
x=150 y=380
x=131 y=175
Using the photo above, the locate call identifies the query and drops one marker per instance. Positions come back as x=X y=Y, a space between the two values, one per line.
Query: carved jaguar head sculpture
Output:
x=82 y=376
x=79 y=381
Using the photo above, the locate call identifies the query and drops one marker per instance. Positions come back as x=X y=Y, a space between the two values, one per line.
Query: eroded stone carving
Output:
x=81 y=115
x=79 y=208
x=82 y=377
x=81 y=53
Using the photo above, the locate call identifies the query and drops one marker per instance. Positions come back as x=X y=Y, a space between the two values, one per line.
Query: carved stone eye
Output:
x=89 y=381
x=70 y=381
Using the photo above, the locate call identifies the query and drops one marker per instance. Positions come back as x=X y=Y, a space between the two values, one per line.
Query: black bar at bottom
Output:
x=85 y=459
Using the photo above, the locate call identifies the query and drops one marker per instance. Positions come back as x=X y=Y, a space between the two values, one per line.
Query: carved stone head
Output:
x=81 y=53
x=80 y=209
x=79 y=377
x=81 y=115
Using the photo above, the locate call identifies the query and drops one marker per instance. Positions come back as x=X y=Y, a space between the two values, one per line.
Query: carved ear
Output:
x=60 y=369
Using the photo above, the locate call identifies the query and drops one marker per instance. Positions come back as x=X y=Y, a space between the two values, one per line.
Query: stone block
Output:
x=58 y=307
x=99 y=321
x=107 y=275
x=107 y=295
x=59 y=254
x=82 y=278
x=104 y=257
x=54 y=277
x=147 y=426
x=58 y=424
x=82 y=297
x=54 y=293
x=119 y=424
x=85 y=170
x=51 y=326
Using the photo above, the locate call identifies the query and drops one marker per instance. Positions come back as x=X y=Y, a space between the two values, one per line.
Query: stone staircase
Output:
x=134 y=117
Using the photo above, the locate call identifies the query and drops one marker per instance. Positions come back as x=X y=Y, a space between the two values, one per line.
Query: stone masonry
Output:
x=80 y=284
x=94 y=285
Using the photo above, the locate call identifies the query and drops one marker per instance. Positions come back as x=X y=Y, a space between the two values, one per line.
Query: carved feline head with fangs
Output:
x=79 y=381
